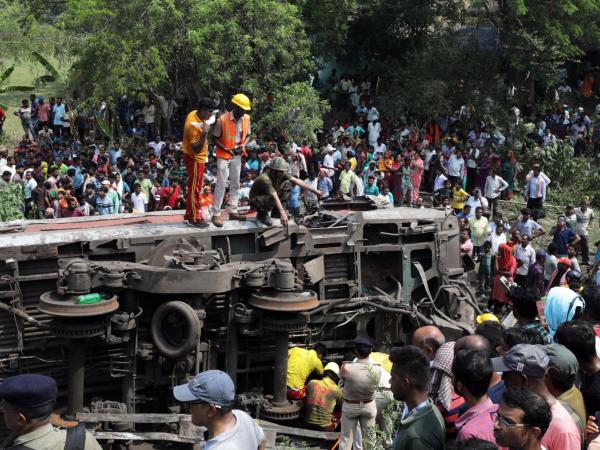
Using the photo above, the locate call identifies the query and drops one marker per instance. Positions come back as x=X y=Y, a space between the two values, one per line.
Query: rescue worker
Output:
x=360 y=379
x=231 y=135
x=195 y=144
x=323 y=399
x=27 y=403
x=271 y=189
x=302 y=363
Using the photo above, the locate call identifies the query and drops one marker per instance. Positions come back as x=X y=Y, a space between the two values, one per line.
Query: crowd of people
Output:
x=519 y=384
x=449 y=391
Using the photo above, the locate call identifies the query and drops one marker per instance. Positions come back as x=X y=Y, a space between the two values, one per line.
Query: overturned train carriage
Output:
x=119 y=309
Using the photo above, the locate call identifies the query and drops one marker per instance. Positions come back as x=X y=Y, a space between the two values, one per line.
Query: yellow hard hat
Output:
x=242 y=101
x=485 y=317
x=333 y=367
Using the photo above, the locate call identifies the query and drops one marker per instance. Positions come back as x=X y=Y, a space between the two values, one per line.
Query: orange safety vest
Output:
x=227 y=138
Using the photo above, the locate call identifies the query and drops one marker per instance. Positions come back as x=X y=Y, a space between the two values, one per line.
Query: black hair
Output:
x=552 y=248
x=579 y=337
x=591 y=295
x=518 y=335
x=526 y=212
x=331 y=374
x=320 y=349
x=7 y=173
x=524 y=301
x=536 y=412
x=474 y=370
x=363 y=351
x=472 y=444
x=37 y=414
x=413 y=364
x=492 y=331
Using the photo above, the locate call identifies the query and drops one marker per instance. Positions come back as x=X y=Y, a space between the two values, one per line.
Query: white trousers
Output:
x=352 y=415
x=227 y=170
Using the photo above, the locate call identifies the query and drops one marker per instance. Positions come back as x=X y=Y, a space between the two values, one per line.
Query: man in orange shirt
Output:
x=195 y=144
x=230 y=135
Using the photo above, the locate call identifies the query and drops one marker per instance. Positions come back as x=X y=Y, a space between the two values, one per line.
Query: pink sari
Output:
x=417 y=174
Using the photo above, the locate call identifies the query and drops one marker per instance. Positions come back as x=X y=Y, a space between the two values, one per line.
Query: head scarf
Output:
x=506 y=260
x=441 y=388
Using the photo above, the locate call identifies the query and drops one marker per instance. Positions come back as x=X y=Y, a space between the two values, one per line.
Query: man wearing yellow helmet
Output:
x=230 y=136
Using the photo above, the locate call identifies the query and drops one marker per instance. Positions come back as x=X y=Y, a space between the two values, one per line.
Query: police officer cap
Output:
x=28 y=390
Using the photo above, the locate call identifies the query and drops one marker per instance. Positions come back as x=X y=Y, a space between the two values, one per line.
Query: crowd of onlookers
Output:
x=530 y=382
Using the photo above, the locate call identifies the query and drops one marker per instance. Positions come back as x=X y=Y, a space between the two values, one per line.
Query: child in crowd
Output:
x=485 y=267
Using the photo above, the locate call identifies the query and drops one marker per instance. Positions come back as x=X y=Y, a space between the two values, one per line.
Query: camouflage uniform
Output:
x=267 y=183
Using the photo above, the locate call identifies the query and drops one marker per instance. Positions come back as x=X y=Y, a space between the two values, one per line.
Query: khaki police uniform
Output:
x=48 y=437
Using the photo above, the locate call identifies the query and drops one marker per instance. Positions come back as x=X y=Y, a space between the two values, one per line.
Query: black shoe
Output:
x=264 y=218
x=202 y=224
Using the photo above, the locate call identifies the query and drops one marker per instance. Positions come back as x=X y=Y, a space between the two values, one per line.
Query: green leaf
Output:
x=16 y=88
x=6 y=74
x=47 y=64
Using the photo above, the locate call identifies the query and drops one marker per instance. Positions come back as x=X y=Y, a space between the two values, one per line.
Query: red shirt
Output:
x=2 y=115
x=43 y=111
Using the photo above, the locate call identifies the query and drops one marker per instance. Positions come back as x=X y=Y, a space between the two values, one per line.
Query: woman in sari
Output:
x=416 y=175
x=505 y=266
x=509 y=173
x=385 y=164
x=395 y=182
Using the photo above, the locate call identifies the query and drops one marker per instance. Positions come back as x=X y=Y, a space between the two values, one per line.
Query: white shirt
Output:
x=373 y=114
x=439 y=182
x=374 y=130
x=139 y=201
x=472 y=158
x=359 y=187
x=456 y=166
x=496 y=240
x=583 y=220
x=156 y=147
x=328 y=164
x=476 y=203
x=379 y=150
x=492 y=184
x=526 y=256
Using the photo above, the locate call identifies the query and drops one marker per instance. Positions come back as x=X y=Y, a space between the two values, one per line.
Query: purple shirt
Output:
x=477 y=422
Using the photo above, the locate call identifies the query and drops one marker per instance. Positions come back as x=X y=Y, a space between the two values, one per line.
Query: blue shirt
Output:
x=58 y=111
x=325 y=186
x=562 y=239
x=104 y=205
x=532 y=188
x=294 y=201
x=371 y=190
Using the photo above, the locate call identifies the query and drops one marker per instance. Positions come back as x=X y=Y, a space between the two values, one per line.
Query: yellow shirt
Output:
x=322 y=397
x=459 y=197
x=192 y=135
x=301 y=363
x=383 y=359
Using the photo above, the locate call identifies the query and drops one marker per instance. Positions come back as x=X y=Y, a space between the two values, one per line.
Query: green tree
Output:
x=297 y=110
x=537 y=37
x=186 y=48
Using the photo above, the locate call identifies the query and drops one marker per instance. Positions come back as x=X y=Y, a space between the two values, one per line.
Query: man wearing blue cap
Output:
x=209 y=396
x=27 y=403
x=525 y=366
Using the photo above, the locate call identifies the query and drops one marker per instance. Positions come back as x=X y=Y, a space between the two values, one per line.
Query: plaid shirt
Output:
x=539 y=329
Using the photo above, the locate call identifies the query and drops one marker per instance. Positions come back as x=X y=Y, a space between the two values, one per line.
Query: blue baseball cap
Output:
x=213 y=386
